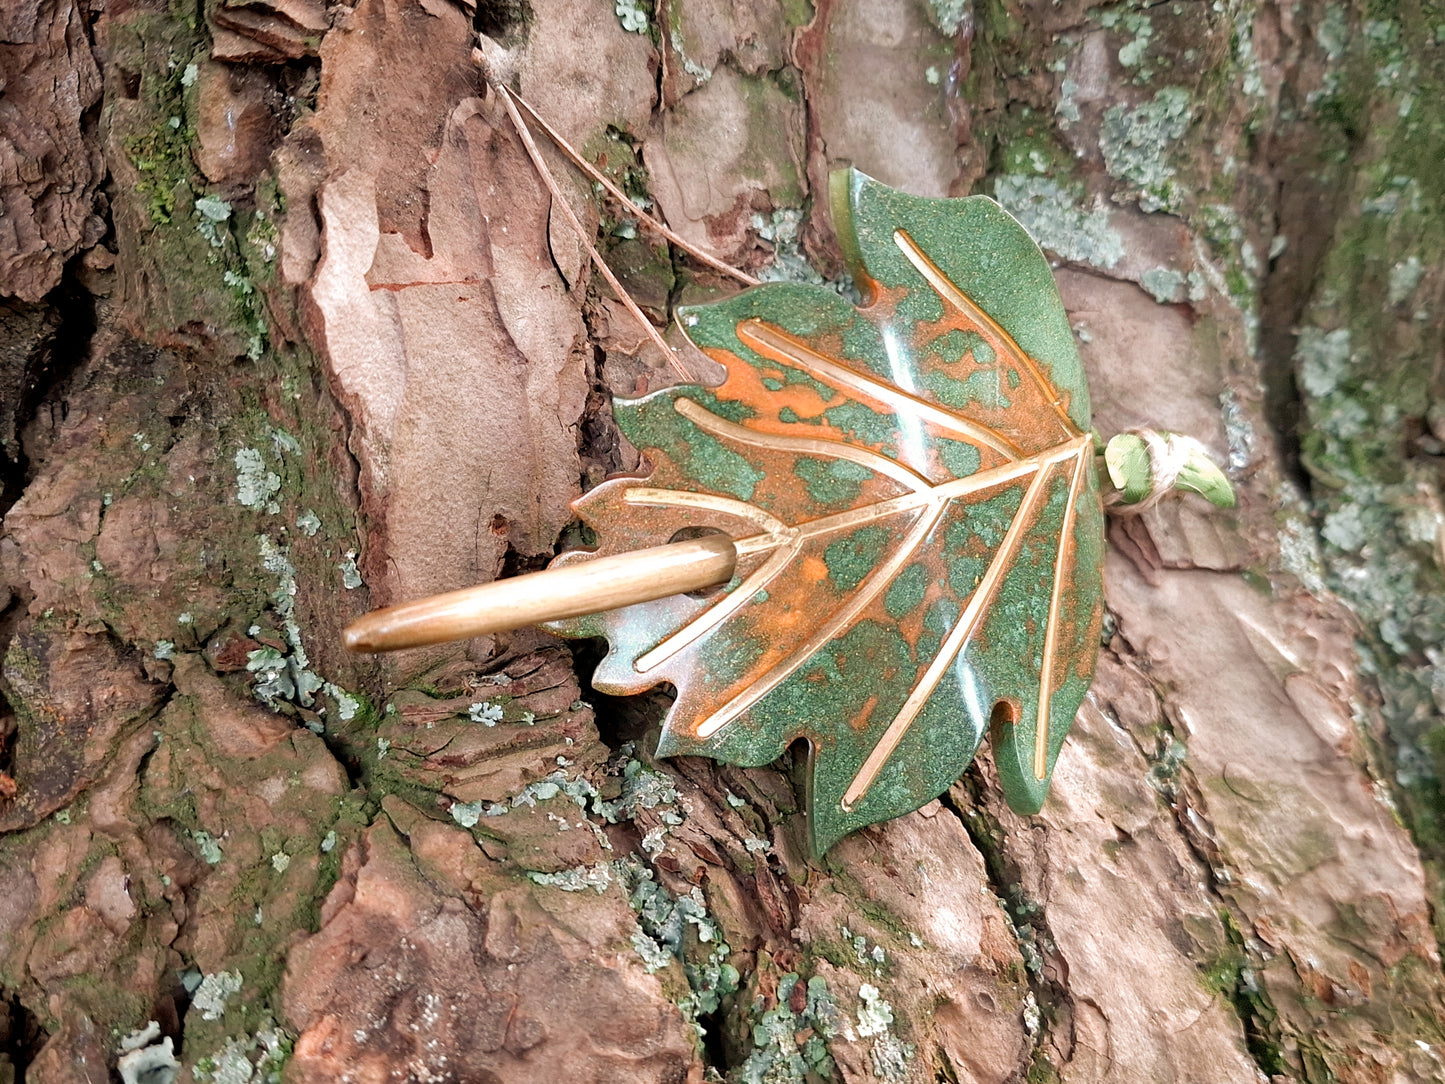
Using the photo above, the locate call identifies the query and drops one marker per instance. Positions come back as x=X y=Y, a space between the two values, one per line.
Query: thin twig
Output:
x=560 y=201
x=617 y=194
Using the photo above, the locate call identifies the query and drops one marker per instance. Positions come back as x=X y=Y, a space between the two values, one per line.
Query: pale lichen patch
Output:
x=633 y=15
x=347 y=706
x=950 y=16
x=1323 y=358
x=146 y=1057
x=283 y=675
x=789 y=1046
x=642 y=788
x=486 y=713
x=256 y=485
x=783 y=229
x=1138 y=146
x=577 y=879
x=1165 y=285
x=467 y=813
x=350 y=574
x=1404 y=277
x=889 y=1054
x=209 y=847
x=257 y=1059
x=215 y=990
x=1051 y=213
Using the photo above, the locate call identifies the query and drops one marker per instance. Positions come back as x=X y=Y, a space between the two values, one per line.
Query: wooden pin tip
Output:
x=360 y=637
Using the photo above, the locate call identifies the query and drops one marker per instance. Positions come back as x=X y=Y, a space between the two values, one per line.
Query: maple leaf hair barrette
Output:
x=881 y=532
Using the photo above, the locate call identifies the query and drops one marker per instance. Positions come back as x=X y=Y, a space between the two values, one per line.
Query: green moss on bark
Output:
x=1367 y=367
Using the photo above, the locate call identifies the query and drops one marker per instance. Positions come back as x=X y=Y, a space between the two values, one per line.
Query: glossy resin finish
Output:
x=911 y=488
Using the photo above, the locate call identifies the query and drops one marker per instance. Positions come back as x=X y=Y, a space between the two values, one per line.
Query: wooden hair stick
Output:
x=586 y=587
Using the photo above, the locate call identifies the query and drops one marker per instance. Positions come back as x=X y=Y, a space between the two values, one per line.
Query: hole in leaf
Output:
x=687 y=534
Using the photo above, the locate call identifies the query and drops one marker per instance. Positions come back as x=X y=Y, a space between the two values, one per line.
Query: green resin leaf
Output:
x=911 y=488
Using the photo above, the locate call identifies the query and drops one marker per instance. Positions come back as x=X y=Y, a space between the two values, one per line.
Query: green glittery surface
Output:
x=916 y=491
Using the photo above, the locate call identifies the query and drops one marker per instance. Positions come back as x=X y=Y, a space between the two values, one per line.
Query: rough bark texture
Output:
x=50 y=160
x=321 y=342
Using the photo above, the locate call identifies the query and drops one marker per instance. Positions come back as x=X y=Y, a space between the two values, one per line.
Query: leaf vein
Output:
x=958 y=636
x=1051 y=632
x=839 y=622
x=775 y=343
x=993 y=332
x=818 y=446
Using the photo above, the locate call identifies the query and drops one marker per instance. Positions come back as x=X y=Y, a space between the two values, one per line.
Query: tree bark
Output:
x=292 y=330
